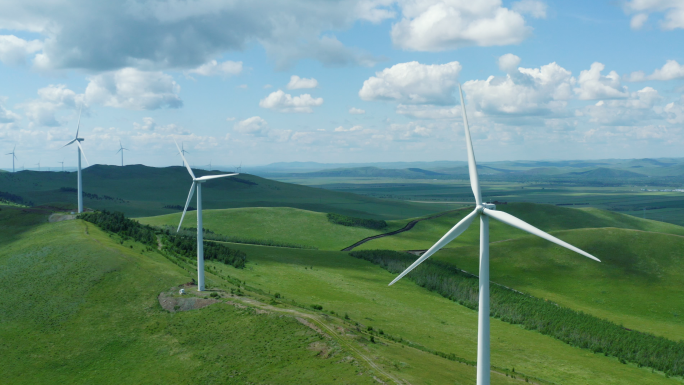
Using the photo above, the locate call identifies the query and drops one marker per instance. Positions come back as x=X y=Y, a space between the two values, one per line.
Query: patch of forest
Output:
x=344 y=220
x=184 y=245
x=572 y=327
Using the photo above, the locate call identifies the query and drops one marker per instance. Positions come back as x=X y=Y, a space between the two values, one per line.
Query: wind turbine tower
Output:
x=78 y=141
x=62 y=165
x=484 y=211
x=121 y=150
x=13 y=156
x=197 y=182
x=38 y=164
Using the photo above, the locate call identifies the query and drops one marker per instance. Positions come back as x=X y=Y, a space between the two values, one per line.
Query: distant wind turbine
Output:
x=182 y=151
x=13 y=156
x=483 y=211
x=38 y=164
x=78 y=141
x=200 y=236
x=62 y=165
x=121 y=150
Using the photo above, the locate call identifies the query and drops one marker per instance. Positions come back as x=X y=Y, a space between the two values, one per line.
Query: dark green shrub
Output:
x=344 y=220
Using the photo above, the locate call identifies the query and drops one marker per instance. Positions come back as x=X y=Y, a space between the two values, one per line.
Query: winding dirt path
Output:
x=408 y=227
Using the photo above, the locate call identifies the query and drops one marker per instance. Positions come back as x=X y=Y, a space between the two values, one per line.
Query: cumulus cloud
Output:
x=158 y=35
x=254 y=126
x=356 y=111
x=671 y=70
x=638 y=107
x=593 y=85
x=351 y=129
x=429 y=111
x=438 y=25
x=414 y=83
x=14 y=50
x=409 y=131
x=133 y=89
x=297 y=83
x=213 y=68
x=6 y=116
x=42 y=111
x=675 y=111
x=673 y=10
x=523 y=91
x=283 y=102
x=148 y=124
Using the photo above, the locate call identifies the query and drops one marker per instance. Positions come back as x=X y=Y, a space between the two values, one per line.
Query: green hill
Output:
x=639 y=282
x=542 y=216
x=84 y=309
x=280 y=224
x=139 y=190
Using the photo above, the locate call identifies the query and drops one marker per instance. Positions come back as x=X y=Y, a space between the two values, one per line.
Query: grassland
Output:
x=343 y=284
x=280 y=224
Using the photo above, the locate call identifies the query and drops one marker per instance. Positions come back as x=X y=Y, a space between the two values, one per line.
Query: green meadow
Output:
x=281 y=224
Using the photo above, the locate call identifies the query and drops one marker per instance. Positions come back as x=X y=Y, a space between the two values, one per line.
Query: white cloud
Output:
x=429 y=111
x=6 y=116
x=409 y=131
x=150 y=125
x=671 y=70
x=352 y=129
x=534 y=8
x=230 y=119
x=675 y=111
x=14 y=50
x=283 y=102
x=673 y=10
x=267 y=86
x=243 y=86
x=509 y=63
x=593 y=85
x=157 y=35
x=356 y=111
x=438 y=25
x=42 y=111
x=254 y=126
x=134 y=89
x=523 y=91
x=413 y=83
x=625 y=112
x=213 y=68
x=297 y=83
x=638 y=21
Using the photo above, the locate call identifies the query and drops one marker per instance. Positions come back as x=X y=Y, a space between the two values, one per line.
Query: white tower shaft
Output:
x=483 y=363
x=200 y=241
x=80 y=183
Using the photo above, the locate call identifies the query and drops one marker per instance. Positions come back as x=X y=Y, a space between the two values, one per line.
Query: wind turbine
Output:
x=13 y=156
x=121 y=149
x=181 y=150
x=484 y=211
x=62 y=165
x=78 y=141
x=200 y=245
x=38 y=164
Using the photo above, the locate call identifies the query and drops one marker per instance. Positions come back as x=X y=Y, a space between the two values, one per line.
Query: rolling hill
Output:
x=139 y=191
x=84 y=309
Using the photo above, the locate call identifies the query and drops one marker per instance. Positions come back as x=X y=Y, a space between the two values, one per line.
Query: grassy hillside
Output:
x=281 y=224
x=144 y=191
x=639 y=282
x=344 y=284
x=544 y=217
x=80 y=308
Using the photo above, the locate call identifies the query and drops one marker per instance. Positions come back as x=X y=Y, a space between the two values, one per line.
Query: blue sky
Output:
x=340 y=81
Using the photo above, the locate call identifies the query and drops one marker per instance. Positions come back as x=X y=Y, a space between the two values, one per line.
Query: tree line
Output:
x=344 y=220
x=184 y=245
x=570 y=326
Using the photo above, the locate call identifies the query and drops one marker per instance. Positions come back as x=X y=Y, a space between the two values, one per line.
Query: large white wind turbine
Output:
x=13 y=156
x=197 y=182
x=121 y=149
x=78 y=141
x=484 y=211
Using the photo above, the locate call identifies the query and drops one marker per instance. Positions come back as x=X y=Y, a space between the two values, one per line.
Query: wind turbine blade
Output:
x=117 y=152
x=524 y=226
x=192 y=192
x=448 y=237
x=83 y=152
x=69 y=143
x=187 y=165
x=78 y=127
x=472 y=166
x=203 y=178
